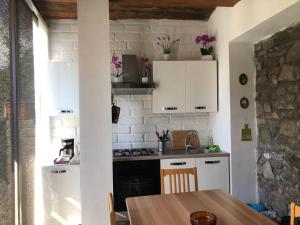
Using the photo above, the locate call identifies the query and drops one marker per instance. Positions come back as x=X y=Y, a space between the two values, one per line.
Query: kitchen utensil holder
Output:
x=162 y=145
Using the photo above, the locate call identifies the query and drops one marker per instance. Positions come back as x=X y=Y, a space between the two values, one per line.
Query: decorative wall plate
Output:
x=243 y=79
x=244 y=103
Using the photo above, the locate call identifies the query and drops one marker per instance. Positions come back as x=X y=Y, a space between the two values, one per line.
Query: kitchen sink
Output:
x=183 y=151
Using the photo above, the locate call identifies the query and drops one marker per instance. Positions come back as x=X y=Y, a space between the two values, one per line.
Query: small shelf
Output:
x=132 y=88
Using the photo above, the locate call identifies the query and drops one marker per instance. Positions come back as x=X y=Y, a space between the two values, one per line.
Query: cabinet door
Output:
x=63 y=88
x=61 y=195
x=177 y=164
x=201 y=86
x=213 y=173
x=169 y=93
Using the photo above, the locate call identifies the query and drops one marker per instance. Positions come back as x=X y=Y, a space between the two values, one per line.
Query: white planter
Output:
x=145 y=80
x=167 y=57
x=206 y=57
x=117 y=79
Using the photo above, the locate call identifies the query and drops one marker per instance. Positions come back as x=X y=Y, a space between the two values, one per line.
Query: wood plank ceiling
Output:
x=138 y=9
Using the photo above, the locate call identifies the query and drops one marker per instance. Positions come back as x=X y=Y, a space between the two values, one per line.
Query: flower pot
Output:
x=145 y=80
x=117 y=79
x=167 y=57
x=206 y=57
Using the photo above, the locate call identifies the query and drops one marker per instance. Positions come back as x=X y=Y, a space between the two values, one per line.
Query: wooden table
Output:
x=175 y=209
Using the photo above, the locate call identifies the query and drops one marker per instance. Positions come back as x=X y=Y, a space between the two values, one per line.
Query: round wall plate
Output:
x=243 y=79
x=244 y=103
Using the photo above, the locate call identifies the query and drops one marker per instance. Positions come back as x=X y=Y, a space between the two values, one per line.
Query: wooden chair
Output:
x=112 y=213
x=179 y=179
x=295 y=212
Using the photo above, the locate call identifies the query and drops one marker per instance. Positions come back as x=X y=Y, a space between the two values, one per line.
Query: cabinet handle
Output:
x=212 y=162
x=66 y=111
x=178 y=163
x=169 y=108
x=59 y=171
x=200 y=107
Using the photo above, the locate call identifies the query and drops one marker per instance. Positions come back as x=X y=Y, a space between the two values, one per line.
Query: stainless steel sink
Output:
x=183 y=151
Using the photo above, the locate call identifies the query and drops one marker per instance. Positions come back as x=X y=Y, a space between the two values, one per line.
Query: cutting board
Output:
x=179 y=136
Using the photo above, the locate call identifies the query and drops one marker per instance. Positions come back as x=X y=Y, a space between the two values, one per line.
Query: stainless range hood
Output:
x=132 y=80
x=132 y=89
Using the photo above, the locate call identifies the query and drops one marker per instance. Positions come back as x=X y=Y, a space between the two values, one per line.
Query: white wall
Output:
x=243 y=171
x=63 y=47
x=95 y=110
x=136 y=127
x=139 y=37
x=247 y=21
x=137 y=123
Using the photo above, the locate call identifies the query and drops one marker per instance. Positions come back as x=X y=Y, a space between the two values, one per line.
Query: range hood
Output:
x=132 y=89
x=132 y=80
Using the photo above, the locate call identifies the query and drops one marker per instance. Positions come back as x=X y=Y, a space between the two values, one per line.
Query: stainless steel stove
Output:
x=133 y=152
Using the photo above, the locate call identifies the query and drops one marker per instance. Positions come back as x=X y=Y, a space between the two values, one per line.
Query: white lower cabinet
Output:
x=61 y=195
x=177 y=164
x=213 y=173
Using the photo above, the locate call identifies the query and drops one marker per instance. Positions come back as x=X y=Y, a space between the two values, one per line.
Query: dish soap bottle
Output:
x=210 y=139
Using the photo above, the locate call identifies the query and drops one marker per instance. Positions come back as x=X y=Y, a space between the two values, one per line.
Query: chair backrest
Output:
x=112 y=213
x=295 y=212
x=179 y=179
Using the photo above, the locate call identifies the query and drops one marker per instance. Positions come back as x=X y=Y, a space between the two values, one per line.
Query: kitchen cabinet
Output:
x=201 y=86
x=213 y=173
x=185 y=86
x=61 y=194
x=63 y=88
x=177 y=164
x=169 y=93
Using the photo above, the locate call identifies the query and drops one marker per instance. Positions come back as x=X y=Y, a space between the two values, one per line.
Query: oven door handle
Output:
x=178 y=163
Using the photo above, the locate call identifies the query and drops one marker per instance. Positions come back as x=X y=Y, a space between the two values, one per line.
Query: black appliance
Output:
x=134 y=177
x=66 y=153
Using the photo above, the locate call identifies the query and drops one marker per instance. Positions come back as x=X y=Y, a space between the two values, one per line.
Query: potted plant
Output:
x=166 y=44
x=206 y=43
x=146 y=69
x=116 y=68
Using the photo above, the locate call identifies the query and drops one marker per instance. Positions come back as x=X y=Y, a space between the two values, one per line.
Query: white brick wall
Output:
x=139 y=37
x=137 y=124
x=63 y=40
x=60 y=128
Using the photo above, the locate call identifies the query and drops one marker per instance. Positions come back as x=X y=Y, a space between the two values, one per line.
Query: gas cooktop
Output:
x=133 y=152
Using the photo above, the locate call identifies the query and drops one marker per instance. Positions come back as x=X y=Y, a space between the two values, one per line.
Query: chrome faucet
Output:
x=188 y=147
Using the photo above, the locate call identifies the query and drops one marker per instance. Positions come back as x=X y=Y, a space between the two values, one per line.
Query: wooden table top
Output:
x=175 y=209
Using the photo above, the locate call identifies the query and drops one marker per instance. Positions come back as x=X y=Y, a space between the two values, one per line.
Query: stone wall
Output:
x=278 y=119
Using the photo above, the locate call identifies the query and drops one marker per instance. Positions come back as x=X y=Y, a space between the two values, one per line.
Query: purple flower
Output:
x=204 y=39
x=198 y=39
x=212 y=39
x=114 y=58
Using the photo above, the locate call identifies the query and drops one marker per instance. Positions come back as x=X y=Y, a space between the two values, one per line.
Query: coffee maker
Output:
x=66 y=153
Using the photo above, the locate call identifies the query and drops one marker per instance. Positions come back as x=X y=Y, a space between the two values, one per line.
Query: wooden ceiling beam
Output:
x=159 y=13
x=203 y=4
x=137 y=9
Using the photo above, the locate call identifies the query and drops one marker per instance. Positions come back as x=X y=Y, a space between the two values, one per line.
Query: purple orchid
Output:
x=146 y=66
x=207 y=43
x=166 y=43
x=116 y=66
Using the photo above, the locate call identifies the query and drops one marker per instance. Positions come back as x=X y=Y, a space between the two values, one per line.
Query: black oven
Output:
x=134 y=178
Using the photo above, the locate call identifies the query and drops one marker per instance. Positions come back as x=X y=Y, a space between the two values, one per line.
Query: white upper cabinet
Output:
x=201 y=86
x=185 y=86
x=169 y=93
x=63 y=88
